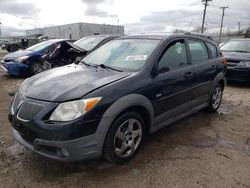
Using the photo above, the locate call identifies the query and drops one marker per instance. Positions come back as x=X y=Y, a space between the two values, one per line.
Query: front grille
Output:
x=232 y=63
x=28 y=110
x=7 y=60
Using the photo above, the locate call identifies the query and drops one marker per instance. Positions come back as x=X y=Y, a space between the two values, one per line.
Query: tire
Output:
x=35 y=68
x=122 y=143
x=14 y=48
x=215 y=99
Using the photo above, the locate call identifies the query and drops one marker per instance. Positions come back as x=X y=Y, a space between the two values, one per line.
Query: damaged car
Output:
x=29 y=62
x=67 y=52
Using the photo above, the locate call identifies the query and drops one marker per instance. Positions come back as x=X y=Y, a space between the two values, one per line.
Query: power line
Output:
x=222 y=18
x=204 y=13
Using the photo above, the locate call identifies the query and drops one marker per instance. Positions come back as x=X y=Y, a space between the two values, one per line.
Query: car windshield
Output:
x=237 y=46
x=123 y=54
x=41 y=45
x=88 y=43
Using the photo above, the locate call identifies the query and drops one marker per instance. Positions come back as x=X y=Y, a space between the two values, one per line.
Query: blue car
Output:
x=28 y=62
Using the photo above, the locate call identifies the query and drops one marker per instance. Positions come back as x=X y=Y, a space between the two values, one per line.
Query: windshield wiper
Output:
x=89 y=65
x=243 y=51
x=108 y=67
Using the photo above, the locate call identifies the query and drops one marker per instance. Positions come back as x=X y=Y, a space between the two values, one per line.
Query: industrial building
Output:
x=76 y=30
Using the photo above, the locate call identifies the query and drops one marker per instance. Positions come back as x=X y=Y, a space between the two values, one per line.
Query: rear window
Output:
x=198 y=51
x=213 y=50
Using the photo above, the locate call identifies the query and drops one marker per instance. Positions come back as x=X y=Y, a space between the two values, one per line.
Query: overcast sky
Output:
x=135 y=15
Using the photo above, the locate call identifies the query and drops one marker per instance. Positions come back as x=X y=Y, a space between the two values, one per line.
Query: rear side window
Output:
x=198 y=51
x=174 y=56
x=213 y=50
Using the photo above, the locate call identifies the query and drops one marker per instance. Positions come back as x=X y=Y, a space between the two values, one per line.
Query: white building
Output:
x=76 y=30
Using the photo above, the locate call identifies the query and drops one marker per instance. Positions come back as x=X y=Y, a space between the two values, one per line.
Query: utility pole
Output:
x=222 y=19
x=239 y=28
x=0 y=29
x=118 y=26
x=204 y=14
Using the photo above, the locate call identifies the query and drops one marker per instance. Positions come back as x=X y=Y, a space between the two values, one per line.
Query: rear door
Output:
x=204 y=70
x=173 y=83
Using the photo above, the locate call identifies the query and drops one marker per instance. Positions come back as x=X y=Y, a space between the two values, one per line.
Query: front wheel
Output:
x=124 y=138
x=36 y=68
x=216 y=99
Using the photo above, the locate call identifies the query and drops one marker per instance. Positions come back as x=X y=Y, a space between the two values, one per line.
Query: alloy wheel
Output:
x=216 y=99
x=127 y=138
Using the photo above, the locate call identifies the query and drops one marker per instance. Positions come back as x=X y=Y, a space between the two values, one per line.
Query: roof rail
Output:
x=200 y=35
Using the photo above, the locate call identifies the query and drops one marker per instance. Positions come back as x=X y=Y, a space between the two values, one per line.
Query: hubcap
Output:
x=37 y=68
x=216 y=97
x=127 y=138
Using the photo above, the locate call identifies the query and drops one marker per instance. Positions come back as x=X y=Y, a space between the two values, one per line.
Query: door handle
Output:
x=188 y=74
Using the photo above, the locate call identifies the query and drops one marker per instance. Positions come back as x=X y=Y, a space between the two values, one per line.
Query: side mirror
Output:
x=159 y=71
x=163 y=70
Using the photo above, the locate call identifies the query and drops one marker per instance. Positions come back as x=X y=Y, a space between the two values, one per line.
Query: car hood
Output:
x=17 y=54
x=68 y=83
x=237 y=56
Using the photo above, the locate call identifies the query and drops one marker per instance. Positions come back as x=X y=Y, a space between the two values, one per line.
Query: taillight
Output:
x=224 y=61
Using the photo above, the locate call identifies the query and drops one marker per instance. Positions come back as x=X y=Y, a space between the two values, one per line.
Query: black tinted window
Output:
x=213 y=50
x=174 y=56
x=198 y=51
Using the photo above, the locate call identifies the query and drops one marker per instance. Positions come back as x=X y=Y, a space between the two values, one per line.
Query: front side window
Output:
x=198 y=51
x=41 y=45
x=124 y=54
x=174 y=56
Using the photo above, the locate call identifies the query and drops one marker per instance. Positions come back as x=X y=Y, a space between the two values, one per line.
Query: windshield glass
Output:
x=239 y=45
x=126 y=54
x=88 y=43
x=41 y=45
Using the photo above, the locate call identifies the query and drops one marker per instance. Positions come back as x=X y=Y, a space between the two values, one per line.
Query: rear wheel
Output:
x=36 y=68
x=216 y=99
x=124 y=138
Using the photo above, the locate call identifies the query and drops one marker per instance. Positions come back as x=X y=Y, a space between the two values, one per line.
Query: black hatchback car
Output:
x=237 y=53
x=123 y=91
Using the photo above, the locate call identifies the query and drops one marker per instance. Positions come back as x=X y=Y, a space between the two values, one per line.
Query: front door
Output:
x=173 y=82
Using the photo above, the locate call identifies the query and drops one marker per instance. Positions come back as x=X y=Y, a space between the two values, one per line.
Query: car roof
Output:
x=160 y=36
x=157 y=36
x=104 y=35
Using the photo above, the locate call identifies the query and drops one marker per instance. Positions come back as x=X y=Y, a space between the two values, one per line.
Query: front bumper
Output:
x=64 y=141
x=14 y=68
x=3 y=67
x=236 y=74
x=67 y=151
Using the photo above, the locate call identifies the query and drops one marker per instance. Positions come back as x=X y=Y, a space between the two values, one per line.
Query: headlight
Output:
x=22 y=59
x=68 y=111
x=244 y=64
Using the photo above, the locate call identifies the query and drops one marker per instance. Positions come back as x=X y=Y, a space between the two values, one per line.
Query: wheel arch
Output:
x=132 y=102
x=219 y=79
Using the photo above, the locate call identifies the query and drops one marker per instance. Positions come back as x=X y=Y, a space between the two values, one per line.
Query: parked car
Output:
x=19 y=43
x=28 y=62
x=67 y=53
x=237 y=53
x=126 y=89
